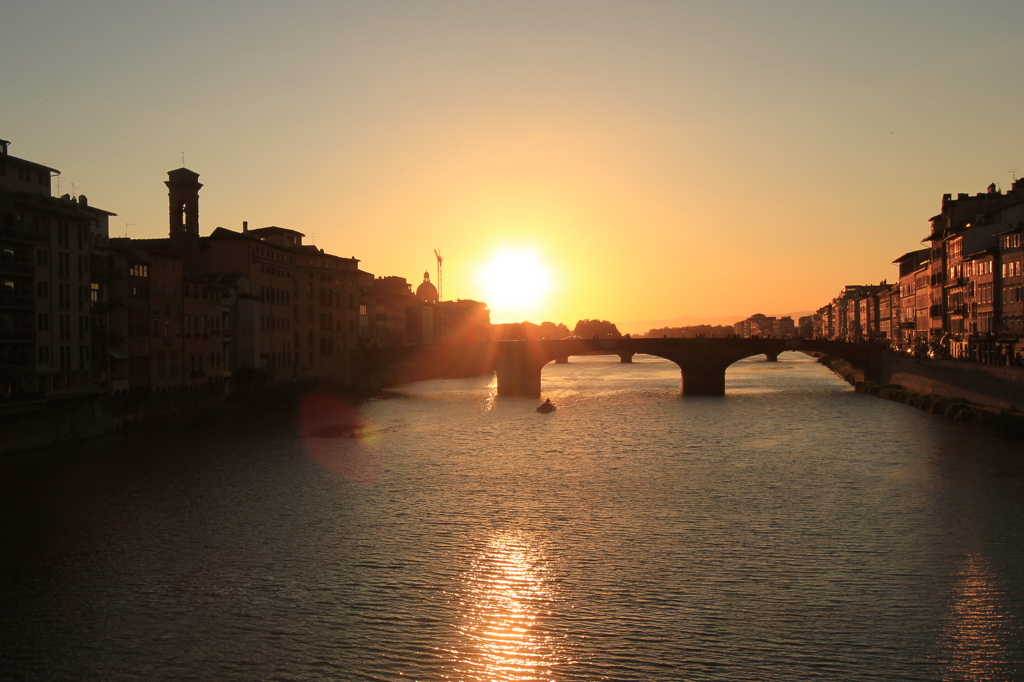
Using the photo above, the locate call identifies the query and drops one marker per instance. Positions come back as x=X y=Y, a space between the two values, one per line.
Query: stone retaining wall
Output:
x=1000 y=387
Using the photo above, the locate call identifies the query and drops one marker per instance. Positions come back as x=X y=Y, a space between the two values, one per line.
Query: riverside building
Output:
x=83 y=313
x=46 y=315
x=961 y=297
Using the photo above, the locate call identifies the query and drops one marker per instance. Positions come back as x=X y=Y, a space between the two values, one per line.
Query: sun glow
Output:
x=514 y=282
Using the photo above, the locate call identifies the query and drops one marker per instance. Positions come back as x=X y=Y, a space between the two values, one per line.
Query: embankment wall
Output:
x=999 y=387
x=35 y=424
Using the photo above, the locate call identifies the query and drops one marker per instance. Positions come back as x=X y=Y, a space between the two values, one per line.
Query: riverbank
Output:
x=29 y=425
x=1005 y=421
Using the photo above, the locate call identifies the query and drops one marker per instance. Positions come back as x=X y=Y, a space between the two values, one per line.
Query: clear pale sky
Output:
x=663 y=159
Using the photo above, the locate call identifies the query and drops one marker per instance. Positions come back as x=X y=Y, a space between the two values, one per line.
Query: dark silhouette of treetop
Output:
x=587 y=329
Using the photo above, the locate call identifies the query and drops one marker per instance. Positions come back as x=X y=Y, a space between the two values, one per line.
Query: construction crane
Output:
x=437 y=253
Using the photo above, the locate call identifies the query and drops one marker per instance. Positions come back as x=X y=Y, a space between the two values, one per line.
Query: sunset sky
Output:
x=659 y=159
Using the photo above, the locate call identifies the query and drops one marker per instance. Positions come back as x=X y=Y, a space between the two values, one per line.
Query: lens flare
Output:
x=337 y=436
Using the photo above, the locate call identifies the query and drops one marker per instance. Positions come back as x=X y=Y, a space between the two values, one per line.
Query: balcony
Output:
x=17 y=336
x=19 y=234
x=19 y=302
x=13 y=268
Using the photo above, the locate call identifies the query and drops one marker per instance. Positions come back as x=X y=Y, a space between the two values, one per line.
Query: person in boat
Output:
x=546 y=407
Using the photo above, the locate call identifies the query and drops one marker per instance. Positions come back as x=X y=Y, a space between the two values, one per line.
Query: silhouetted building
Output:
x=46 y=313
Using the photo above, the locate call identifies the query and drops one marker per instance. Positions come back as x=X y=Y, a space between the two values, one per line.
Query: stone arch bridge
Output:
x=518 y=364
x=702 y=362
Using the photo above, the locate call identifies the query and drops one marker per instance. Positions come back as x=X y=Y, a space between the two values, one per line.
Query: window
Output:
x=44 y=322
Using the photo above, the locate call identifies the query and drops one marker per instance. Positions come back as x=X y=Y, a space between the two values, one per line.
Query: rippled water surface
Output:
x=791 y=530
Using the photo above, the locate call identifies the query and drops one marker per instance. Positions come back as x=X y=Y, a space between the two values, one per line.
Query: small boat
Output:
x=547 y=407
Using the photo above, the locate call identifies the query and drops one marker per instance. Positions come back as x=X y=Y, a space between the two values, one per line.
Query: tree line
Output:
x=705 y=330
x=585 y=329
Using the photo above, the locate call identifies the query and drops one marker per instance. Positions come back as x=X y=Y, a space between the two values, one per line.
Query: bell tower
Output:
x=183 y=191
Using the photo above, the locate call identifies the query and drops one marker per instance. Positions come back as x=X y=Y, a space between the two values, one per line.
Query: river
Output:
x=791 y=530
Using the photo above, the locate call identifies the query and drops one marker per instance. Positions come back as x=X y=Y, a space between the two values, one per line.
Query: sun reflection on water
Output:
x=507 y=596
x=492 y=393
x=977 y=628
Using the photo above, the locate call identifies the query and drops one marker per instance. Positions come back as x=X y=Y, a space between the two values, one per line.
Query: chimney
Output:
x=245 y=226
x=3 y=146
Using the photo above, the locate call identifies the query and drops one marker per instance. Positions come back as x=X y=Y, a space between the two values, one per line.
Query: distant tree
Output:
x=601 y=328
x=516 y=331
x=550 y=330
x=706 y=330
x=512 y=331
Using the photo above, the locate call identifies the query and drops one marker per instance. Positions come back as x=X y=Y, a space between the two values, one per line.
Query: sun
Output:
x=515 y=282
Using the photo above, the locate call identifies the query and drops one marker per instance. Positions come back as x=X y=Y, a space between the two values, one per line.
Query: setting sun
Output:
x=515 y=282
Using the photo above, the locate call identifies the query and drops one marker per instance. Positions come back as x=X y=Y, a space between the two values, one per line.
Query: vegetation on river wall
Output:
x=1005 y=422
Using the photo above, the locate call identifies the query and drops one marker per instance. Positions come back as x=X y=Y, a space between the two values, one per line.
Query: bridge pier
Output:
x=706 y=380
x=518 y=371
x=771 y=357
x=626 y=358
x=562 y=360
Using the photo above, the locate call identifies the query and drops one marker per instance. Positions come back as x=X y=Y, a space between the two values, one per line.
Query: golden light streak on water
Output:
x=976 y=628
x=492 y=394
x=507 y=595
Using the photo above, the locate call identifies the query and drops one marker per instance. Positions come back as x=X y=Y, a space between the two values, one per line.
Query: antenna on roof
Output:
x=183 y=159
x=126 y=228
x=1013 y=173
x=437 y=254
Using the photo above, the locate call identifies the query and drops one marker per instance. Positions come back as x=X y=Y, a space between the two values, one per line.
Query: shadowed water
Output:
x=791 y=530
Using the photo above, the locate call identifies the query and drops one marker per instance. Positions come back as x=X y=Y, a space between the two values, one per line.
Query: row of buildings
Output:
x=763 y=326
x=960 y=297
x=82 y=312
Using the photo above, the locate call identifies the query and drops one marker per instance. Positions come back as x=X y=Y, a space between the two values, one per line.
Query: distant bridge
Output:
x=702 y=362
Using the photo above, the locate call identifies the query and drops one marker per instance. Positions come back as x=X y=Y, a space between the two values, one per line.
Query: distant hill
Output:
x=643 y=326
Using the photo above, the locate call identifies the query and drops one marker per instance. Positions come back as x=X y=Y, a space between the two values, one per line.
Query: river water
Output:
x=791 y=530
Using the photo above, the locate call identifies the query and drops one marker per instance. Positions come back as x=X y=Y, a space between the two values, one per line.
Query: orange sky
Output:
x=664 y=159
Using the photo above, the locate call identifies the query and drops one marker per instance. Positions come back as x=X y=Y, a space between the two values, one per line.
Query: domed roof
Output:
x=426 y=291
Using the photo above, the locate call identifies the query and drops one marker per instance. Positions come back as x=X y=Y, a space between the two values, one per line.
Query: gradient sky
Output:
x=663 y=158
